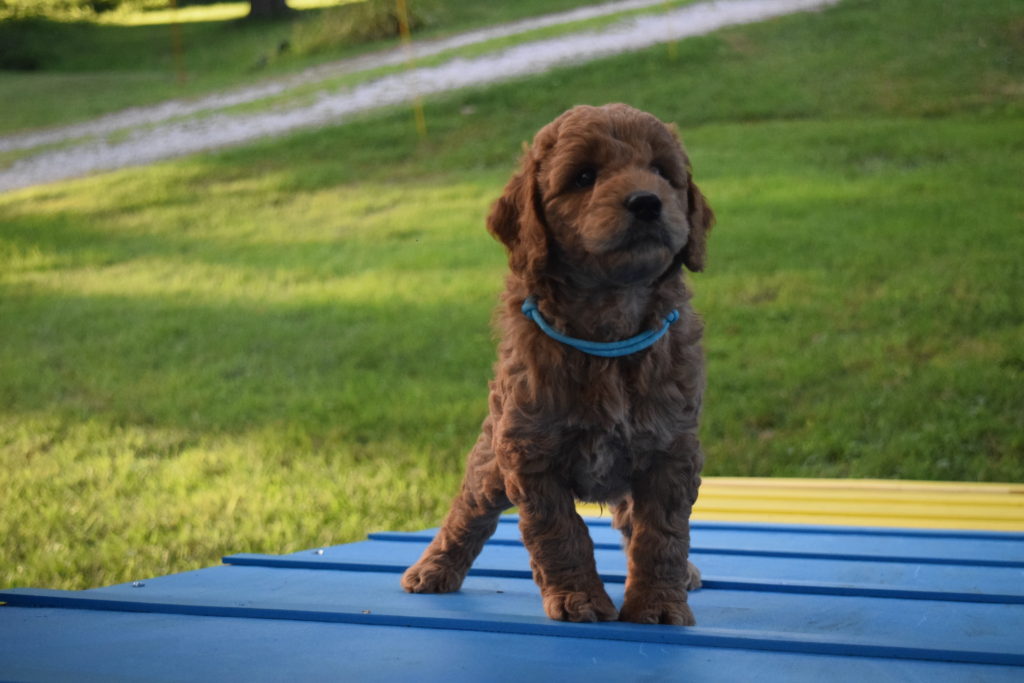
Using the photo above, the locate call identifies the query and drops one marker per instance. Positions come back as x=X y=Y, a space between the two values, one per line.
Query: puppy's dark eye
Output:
x=585 y=177
x=665 y=172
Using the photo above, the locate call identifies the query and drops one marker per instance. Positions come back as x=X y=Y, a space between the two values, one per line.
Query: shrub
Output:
x=356 y=22
x=72 y=9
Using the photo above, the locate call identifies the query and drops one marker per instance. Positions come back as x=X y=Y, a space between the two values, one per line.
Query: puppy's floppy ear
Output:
x=516 y=220
x=701 y=219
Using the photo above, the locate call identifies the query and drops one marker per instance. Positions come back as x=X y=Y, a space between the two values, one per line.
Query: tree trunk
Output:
x=268 y=9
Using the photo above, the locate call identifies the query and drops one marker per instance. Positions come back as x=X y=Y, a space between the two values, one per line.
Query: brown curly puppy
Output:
x=598 y=222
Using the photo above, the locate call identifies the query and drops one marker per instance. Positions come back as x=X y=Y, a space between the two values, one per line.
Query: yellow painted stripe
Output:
x=894 y=497
x=866 y=484
x=859 y=502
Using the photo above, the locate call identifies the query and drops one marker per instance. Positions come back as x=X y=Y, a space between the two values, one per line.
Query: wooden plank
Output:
x=836 y=577
x=830 y=517
x=811 y=624
x=42 y=644
x=755 y=541
x=799 y=529
x=775 y=595
x=949 y=505
x=866 y=508
x=903 y=485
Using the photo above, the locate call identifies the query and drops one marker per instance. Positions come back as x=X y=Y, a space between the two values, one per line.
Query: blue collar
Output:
x=604 y=349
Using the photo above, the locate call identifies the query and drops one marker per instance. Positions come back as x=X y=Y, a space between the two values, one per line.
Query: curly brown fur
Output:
x=564 y=425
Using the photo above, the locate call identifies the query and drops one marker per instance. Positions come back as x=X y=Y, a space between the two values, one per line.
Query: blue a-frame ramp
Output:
x=780 y=603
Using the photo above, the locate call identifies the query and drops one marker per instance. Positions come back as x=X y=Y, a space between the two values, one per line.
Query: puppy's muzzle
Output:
x=646 y=206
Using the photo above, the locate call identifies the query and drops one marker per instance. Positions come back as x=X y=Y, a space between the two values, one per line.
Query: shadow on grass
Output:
x=355 y=371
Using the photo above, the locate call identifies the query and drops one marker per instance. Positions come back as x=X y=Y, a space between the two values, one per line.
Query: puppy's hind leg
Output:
x=470 y=522
x=622 y=519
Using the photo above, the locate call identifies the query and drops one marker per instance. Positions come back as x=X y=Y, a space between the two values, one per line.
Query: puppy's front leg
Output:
x=659 y=540
x=561 y=552
x=470 y=522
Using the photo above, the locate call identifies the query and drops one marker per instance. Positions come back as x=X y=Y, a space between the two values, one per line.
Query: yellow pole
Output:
x=177 y=46
x=403 y=29
x=673 y=50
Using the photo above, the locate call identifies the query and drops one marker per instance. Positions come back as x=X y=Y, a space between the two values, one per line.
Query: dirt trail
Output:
x=180 y=127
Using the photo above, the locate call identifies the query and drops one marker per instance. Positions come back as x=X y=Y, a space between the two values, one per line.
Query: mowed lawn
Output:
x=287 y=345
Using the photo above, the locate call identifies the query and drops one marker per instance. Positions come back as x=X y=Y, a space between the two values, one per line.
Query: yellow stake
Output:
x=177 y=46
x=673 y=51
x=403 y=29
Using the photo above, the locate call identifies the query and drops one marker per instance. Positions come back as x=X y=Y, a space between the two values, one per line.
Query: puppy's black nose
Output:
x=644 y=205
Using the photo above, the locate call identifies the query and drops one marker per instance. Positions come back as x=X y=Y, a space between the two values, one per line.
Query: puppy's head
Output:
x=607 y=193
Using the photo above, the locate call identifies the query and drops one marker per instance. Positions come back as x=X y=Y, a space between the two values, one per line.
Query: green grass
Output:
x=287 y=345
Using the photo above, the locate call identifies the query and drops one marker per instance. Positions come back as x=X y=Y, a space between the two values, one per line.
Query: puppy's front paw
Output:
x=662 y=607
x=587 y=606
x=432 y=575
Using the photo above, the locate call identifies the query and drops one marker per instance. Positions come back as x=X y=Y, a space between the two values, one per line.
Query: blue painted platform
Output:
x=780 y=603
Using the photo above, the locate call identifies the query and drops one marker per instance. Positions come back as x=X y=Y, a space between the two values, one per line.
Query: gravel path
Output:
x=140 y=116
x=180 y=127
